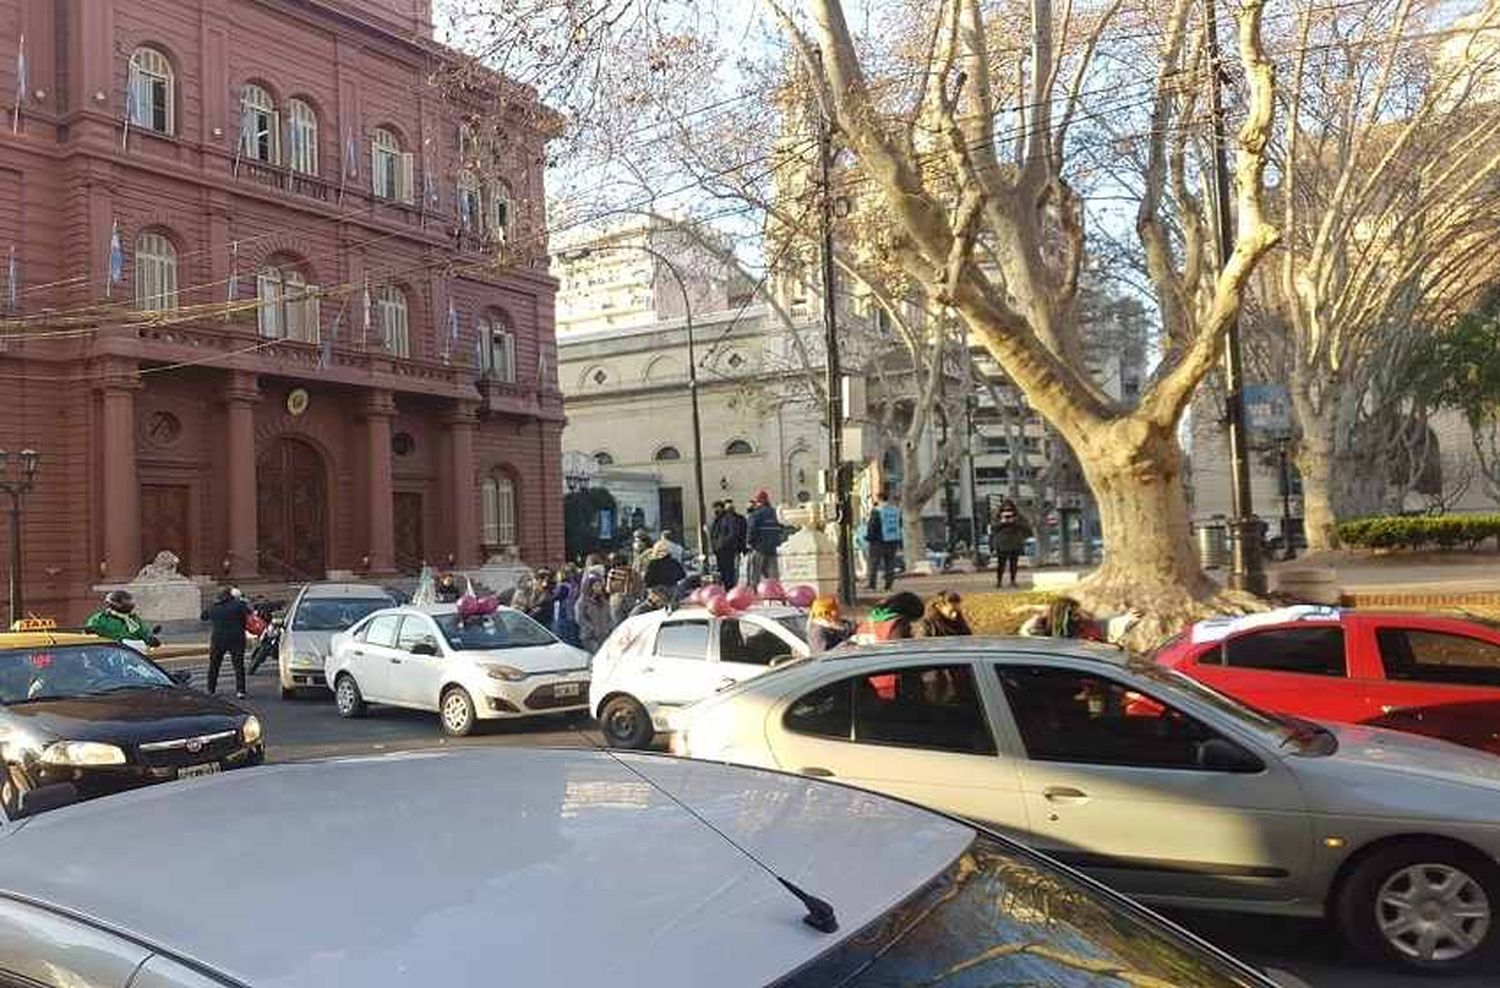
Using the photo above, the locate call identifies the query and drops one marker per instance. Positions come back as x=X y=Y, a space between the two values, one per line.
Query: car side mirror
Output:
x=1221 y=755
x=156 y=629
x=182 y=677
x=424 y=648
x=43 y=798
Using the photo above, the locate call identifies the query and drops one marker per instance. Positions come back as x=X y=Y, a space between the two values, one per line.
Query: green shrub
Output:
x=1420 y=531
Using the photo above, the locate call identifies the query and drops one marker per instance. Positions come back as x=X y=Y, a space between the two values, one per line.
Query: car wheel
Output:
x=1424 y=905
x=625 y=723
x=456 y=711
x=347 y=697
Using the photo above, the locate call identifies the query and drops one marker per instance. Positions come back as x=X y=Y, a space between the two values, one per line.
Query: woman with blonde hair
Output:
x=826 y=627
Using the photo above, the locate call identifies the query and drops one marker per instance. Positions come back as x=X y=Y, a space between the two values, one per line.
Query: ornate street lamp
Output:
x=26 y=463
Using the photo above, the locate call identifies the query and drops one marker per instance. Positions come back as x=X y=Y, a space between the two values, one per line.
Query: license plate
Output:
x=193 y=771
x=566 y=689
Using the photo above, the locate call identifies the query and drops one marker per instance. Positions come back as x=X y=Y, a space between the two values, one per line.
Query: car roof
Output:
x=361 y=590
x=442 y=864
x=45 y=639
x=964 y=645
x=771 y=611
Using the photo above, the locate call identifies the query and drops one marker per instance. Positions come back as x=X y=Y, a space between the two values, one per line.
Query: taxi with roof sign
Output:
x=84 y=712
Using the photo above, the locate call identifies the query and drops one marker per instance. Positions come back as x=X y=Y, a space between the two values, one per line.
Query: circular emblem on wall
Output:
x=297 y=401
x=163 y=429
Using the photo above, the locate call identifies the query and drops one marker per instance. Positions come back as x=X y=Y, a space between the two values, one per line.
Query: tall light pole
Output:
x=1247 y=571
x=26 y=463
x=582 y=253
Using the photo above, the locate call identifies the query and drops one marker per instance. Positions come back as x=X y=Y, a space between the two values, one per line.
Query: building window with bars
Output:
x=392 y=171
x=497 y=351
x=497 y=512
x=150 y=91
x=497 y=218
x=391 y=319
x=470 y=203
x=155 y=273
x=260 y=126
x=289 y=306
x=303 y=134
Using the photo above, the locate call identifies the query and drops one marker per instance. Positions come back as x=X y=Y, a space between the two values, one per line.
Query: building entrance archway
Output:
x=291 y=484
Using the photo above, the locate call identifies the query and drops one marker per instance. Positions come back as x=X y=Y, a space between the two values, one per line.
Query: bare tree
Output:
x=1390 y=201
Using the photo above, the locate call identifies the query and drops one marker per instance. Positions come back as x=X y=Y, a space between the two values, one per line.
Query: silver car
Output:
x=1152 y=782
x=320 y=611
x=554 y=868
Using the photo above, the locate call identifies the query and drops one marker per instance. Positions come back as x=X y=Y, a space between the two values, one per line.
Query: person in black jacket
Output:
x=728 y=536
x=663 y=570
x=763 y=538
x=227 y=614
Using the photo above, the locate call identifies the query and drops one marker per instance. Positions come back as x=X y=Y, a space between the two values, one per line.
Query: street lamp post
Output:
x=582 y=253
x=26 y=463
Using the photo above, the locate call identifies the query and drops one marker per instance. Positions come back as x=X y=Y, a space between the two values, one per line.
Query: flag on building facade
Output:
x=116 y=260
x=364 y=332
x=129 y=109
x=453 y=333
x=325 y=353
x=13 y=283
x=233 y=290
x=21 y=86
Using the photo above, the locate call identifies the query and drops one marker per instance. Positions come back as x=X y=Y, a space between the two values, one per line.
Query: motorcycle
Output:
x=269 y=642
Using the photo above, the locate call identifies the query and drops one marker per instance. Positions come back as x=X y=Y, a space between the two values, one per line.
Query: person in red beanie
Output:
x=763 y=535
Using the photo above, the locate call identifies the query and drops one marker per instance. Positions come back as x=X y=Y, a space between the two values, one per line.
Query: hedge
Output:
x=1420 y=531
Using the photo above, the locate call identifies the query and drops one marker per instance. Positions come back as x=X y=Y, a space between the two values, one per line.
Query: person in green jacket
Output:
x=118 y=621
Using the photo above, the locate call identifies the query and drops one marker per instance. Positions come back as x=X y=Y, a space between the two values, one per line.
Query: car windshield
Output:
x=999 y=917
x=1277 y=730
x=334 y=613
x=796 y=624
x=502 y=629
x=75 y=670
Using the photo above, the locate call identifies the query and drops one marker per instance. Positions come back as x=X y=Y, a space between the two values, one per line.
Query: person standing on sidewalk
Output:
x=883 y=534
x=728 y=535
x=1008 y=537
x=764 y=539
x=227 y=614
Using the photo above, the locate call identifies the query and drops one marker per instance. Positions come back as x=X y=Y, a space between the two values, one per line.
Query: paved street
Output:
x=309 y=728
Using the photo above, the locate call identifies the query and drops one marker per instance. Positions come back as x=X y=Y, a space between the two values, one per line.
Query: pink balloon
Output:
x=771 y=590
x=741 y=598
x=802 y=596
x=696 y=597
x=710 y=592
x=719 y=606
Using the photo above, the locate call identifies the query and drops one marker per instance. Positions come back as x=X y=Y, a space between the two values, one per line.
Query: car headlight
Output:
x=250 y=730
x=508 y=673
x=82 y=753
x=307 y=659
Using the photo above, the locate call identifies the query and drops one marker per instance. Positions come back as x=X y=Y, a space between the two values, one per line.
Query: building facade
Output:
x=254 y=311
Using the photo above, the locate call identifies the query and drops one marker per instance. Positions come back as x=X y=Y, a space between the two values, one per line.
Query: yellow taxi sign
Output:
x=34 y=624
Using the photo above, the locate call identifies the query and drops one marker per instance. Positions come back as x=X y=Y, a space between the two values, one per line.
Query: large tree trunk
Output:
x=1320 y=523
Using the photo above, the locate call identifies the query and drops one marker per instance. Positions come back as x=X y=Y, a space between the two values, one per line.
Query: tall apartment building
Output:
x=253 y=314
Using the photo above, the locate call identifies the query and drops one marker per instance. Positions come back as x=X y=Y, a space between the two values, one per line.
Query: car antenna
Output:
x=820 y=915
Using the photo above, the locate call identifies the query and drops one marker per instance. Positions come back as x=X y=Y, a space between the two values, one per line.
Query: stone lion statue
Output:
x=162 y=569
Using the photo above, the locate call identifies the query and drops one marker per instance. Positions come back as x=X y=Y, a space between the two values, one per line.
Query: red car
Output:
x=1426 y=674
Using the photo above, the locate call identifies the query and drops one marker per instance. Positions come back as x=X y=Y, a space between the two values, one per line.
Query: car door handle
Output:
x=816 y=772
x=395 y=662
x=1064 y=794
x=648 y=668
x=359 y=653
x=1393 y=708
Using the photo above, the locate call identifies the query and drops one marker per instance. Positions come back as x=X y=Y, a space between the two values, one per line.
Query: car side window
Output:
x=1417 y=656
x=826 y=712
x=1313 y=651
x=933 y=707
x=749 y=643
x=1071 y=715
x=413 y=630
x=382 y=630
x=682 y=640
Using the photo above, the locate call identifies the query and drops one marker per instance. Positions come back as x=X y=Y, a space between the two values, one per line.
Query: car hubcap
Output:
x=1432 y=912
x=346 y=696
x=455 y=712
x=622 y=722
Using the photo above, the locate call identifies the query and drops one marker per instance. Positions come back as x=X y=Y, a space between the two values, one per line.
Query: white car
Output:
x=501 y=665
x=320 y=611
x=661 y=661
x=1152 y=782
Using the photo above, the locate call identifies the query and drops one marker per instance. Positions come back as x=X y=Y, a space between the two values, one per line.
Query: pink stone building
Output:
x=253 y=315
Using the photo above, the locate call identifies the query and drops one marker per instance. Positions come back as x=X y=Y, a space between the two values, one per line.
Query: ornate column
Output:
x=462 y=420
x=119 y=490
x=379 y=409
x=242 y=518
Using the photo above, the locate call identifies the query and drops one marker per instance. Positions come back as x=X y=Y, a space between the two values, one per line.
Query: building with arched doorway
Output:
x=260 y=311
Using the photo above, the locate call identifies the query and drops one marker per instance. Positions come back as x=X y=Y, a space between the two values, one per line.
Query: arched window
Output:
x=497 y=512
x=497 y=218
x=391 y=169
x=155 y=273
x=391 y=319
x=303 y=134
x=497 y=350
x=739 y=447
x=288 y=305
x=260 y=125
x=669 y=453
x=148 y=93
x=604 y=458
